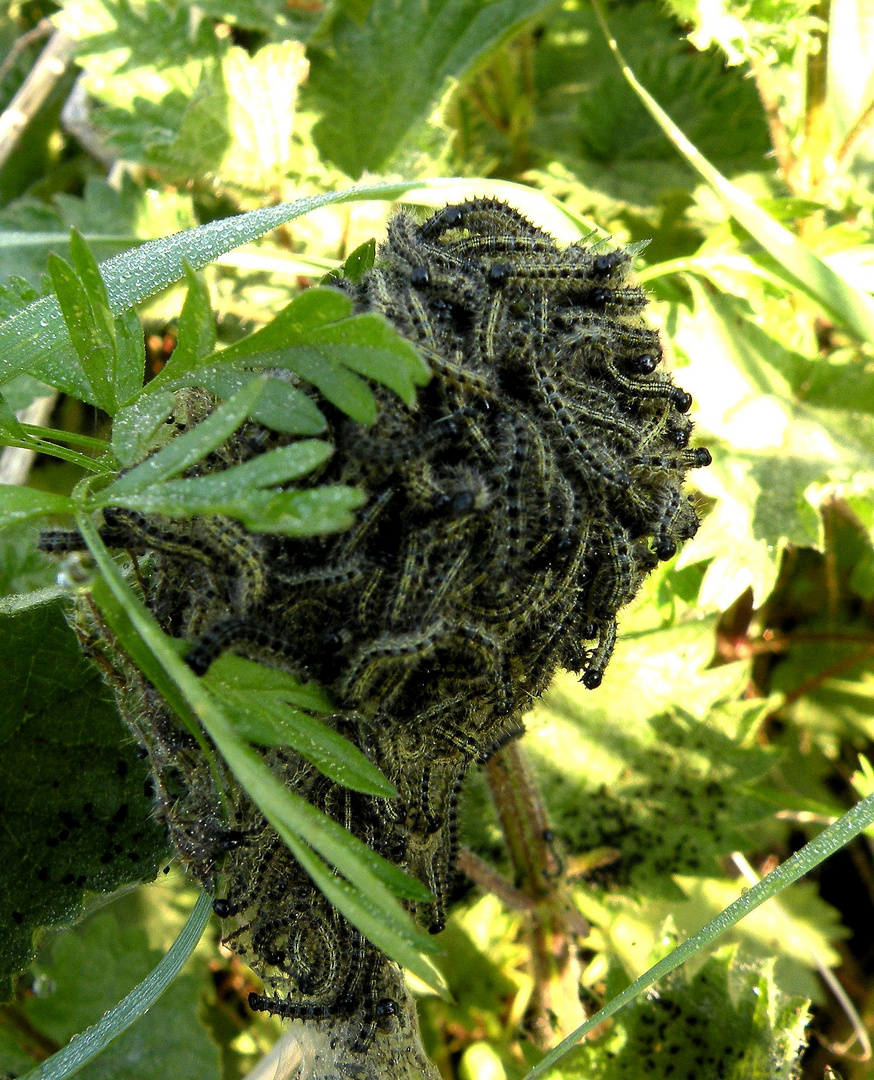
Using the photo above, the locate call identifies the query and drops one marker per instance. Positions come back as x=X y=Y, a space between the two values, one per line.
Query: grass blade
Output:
x=93 y=1041
x=802 y=862
x=844 y=304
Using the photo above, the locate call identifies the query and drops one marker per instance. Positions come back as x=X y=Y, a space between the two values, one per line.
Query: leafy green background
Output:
x=739 y=707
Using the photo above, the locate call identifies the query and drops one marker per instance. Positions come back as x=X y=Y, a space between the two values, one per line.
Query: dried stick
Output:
x=32 y=93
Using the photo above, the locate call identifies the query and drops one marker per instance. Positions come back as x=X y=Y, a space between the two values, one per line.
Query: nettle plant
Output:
x=325 y=571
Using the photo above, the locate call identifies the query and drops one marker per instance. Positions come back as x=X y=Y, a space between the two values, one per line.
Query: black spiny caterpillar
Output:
x=511 y=513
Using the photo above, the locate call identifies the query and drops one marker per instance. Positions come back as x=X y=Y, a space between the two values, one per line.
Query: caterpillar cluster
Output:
x=512 y=511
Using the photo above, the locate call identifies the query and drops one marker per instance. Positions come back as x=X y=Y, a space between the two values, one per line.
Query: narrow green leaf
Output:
x=275 y=467
x=359 y=261
x=316 y=336
x=119 y=622
x=187 y=449
x=377 y=362
x=264 y=704
x=278 y=724
x=282 y=407
x=342 y=388
x=845 y=304
x=35 y=340
x=367 y=917
x=244 y=676
x=94 y=350
x=130 y=356
x=85 y=266
x=307 y=313
x=312 y=512
x=195 y=337
x=9 y=422
x=87 y=1045
x=288 y=813
x=22 y=503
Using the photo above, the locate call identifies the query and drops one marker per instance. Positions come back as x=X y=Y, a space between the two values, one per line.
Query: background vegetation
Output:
x=737 y=717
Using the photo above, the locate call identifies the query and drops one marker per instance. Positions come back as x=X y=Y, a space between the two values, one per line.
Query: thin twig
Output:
x=780 y=141
x=830 y=672
x=42 y=29
x=42 y=79
x=864 y=119
x=480 y=873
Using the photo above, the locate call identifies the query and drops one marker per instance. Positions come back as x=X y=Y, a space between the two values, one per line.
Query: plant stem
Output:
x=863 y=121
x=555 y=1005
x=780 y=141
x=812 y=163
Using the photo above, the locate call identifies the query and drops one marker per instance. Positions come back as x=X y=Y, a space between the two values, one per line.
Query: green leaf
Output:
x=401 y=943
x=9 y=422
x=95 y=965
x=781 y=451
x=341 y=387
x=666 y=793
x=238 y=491
x=23 y=568
x=262 y=713
x=188 y=448
x=796 y=933
x=292 y=815
x=77 y=815
x=311 y=512
x=93 y=346
x=240 y=121
x=356 y=265
x=195 y=336
x=20 y=504
x=845 y=304
x=130 y=355
x=758 y=30
x=36 y=340
x=369 y=345
x=240 y=675
x=732 y=1014
x=376 y=82
x=795 y=867
x=316 y=337
x=111 y=219
x=311 y=311
x=281 y=407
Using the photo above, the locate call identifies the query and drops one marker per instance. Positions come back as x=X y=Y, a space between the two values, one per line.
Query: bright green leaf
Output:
x=195 y=336
x=263 y=714
x=377 y=82
x=20 y=503
x=94 y=349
